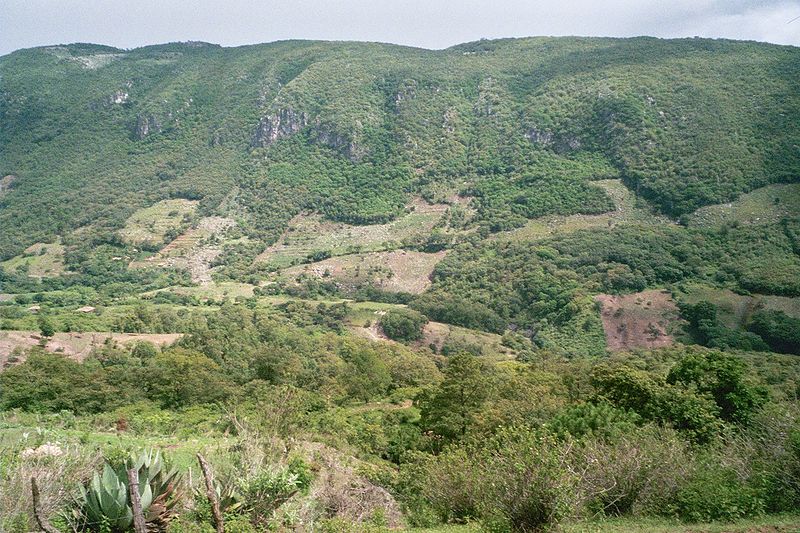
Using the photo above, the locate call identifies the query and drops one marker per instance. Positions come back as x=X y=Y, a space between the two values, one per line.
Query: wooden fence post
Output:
x=211 y=494
x=37 y=510
x=136 y=501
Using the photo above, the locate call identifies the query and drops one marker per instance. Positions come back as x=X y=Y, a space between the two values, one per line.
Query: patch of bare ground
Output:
x=74 y=345
x=372 y=331
x=639 y=320
x=395 y=271
x=6 y=182
x=307 y=233
x=439 y=335
x=194 y=250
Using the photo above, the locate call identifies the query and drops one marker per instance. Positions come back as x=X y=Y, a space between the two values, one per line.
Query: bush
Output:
x=637 y=473
x=715 y=492
x=403 y=324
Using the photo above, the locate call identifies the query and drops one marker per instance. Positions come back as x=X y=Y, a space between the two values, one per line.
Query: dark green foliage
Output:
x=708 y=331
x=780 y=331
x=52 y=383
x=403 y=324
x=721 y=377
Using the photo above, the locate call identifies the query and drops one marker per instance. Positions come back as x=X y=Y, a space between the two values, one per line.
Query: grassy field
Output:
x=310 y=233
x=762 y=206
x=395 y=271
x=151 y=225
x=41 y=260
x=628 y=211
x=735 y=309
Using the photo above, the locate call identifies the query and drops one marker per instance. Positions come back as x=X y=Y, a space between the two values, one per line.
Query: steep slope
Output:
x=93 y=133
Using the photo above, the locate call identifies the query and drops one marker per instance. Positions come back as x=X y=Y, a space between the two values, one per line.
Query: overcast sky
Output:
x=425 y=23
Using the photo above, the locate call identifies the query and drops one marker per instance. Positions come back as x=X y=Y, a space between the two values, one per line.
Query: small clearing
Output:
x=5 y=183
x=308 y=233
x=629 y=210
x=194 y=250
x=439 y=335
x=639 y=320
x=762 y=206
x=76 y=346
x=395 y=271
x=41 y=260
x=735 y=310
x=150 y=226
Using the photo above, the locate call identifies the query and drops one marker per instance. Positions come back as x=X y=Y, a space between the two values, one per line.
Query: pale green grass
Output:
x=150 y=225
x=41 y=260
x=762 y=206
x=776 y=524
x=628 y=211
x=734 y=310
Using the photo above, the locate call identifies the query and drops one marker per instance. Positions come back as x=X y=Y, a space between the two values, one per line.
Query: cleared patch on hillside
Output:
x=395 y=271
x=766 y=205
x=40 y=260
x=734 y=310
x=5 y=183
x=445 y=337
x=629 y=210
x=194 y=250
x=76 y=346
x=307 y=234
x=639 y=320
x=152 y=226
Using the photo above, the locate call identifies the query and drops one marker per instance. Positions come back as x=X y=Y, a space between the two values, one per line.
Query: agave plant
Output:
x=105 y=502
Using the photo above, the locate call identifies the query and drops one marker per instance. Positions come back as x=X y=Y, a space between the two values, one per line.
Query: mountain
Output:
x=515 y=285
x=295 y=152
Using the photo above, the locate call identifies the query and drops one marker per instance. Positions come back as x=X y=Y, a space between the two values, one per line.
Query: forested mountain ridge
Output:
x=352 y=130
x=514 y=285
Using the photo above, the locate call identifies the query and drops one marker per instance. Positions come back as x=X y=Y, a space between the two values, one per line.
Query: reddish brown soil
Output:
x=639 y=320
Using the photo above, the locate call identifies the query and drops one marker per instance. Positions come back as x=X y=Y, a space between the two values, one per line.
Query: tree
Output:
x=451 y=408
x=46 y=327
x=403 y=324
x=721 y=377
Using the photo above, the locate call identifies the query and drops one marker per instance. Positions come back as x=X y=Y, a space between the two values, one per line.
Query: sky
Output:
x=423 y=23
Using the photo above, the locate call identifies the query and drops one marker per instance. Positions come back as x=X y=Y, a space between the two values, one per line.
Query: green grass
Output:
x=655 y=525
x=762 y=206
x=41 y=260
x=151 y=225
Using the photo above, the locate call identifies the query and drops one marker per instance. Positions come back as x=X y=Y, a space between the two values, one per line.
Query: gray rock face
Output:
x=284 y=123
x=6 y=182
x=538 y=136
x=145 y=125
x=349 y=146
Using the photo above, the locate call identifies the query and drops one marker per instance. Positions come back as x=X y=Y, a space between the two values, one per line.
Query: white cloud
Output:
x=427 y=23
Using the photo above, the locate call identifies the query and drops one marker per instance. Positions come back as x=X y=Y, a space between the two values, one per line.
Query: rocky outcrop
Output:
x=119 y=97
x=145 y=125
x=6 y=182
x=406 y=92
x=284 y=123
x=345 y=144
x=537 y=136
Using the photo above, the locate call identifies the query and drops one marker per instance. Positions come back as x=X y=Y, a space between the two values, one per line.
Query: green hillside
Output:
x=513 y=285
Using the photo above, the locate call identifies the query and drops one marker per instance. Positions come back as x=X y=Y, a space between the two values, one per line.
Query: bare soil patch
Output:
x=396 y=271
x=74 y=345
x=639 y=320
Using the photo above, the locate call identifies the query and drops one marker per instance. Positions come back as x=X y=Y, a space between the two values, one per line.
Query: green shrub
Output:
x=403 y=324
x=715 y=492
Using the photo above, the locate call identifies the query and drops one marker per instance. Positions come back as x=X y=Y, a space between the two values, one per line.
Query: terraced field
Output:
x=628 y=211
x=307 y=234
x=734 y=310
x=762 y=206
x=193 y=250
x=41 y=260
x=395 y=271
x=151 y=225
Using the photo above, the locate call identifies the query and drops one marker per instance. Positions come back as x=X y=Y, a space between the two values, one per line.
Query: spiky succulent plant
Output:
x=105 y=501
